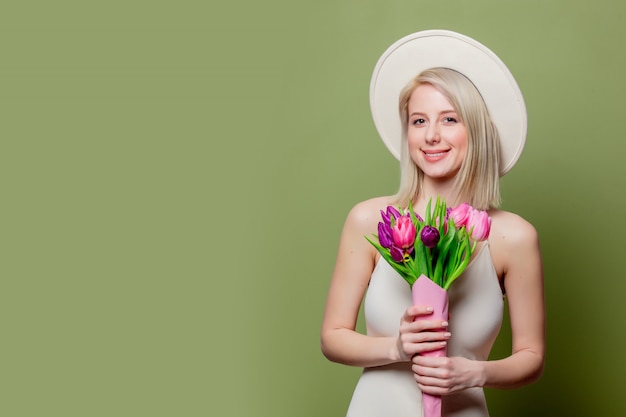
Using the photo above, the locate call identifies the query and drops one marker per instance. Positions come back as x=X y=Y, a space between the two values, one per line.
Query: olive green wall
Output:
x=174 y=177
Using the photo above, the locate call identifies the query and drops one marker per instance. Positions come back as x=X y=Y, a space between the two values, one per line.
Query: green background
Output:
x=174 y=177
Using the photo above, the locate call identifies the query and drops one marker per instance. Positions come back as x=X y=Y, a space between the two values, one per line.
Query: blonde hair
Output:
x=478 y=179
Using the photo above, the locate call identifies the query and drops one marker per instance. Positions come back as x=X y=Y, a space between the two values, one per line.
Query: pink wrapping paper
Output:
x=426 y=292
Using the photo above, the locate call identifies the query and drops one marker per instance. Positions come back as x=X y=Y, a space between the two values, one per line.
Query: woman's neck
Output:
x=432 y=189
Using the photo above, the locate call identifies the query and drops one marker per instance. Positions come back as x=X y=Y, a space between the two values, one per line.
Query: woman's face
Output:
x=437 y=138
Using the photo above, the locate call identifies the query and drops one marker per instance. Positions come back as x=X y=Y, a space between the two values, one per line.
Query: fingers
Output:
x=424 y=347
x=423 y=336
x=425 y=325
x=435 y=377
x=433 y=389
x=413 y=313
x=444 y=375
x=416 y=311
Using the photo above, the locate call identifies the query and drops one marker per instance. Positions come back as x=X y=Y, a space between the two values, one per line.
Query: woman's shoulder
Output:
x=374 y=204
x=362 y=220
x=366 y=214
x=510 y=229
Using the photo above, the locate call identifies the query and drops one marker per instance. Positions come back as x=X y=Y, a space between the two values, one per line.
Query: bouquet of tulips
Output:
x=430 y=254
x=438 y=246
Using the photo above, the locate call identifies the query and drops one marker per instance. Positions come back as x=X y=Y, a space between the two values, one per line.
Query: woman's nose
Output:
x=432 y=134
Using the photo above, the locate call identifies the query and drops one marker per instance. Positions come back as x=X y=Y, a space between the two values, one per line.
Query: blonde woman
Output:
x=453 y=114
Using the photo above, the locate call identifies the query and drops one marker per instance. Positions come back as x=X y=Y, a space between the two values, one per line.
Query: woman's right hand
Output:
x=423 y=335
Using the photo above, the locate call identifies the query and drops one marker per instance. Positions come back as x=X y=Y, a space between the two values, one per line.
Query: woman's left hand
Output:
x=444 y=375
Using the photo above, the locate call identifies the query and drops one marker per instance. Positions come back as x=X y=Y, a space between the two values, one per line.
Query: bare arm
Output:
x=523 y=281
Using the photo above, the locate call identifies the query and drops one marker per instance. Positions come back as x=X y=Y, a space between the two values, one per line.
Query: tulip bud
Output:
x=403 y=232
x=460 y=214
x=384 y=235
x=479 y=223
x=430 y=236
x=390 y=216
x=397 y=254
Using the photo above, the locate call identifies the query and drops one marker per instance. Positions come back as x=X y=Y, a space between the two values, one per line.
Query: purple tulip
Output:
x=479 y=223
x=430 y=236
x=396 y=253
x=389 y=214
x=384 y=235
x=460 y=214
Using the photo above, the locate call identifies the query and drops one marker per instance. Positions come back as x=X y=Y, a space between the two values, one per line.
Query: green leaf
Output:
x=464 y=254
x=421 y=257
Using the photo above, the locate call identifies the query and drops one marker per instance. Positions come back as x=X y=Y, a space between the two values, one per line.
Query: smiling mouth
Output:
x=435 y=154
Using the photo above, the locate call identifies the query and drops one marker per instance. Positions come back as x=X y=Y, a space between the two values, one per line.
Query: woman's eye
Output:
x=418 y=122
x=450 y=120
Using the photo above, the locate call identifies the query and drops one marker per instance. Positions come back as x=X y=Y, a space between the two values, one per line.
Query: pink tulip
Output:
x=479 y=223
x=460 y=214
x=403 y=233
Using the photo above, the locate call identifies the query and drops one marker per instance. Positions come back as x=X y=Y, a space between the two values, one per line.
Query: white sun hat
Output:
x=420 y=51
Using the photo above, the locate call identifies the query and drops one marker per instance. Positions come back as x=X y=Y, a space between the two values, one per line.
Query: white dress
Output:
x=475 y=307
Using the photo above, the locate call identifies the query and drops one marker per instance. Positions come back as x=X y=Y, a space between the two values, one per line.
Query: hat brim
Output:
x=420 y=51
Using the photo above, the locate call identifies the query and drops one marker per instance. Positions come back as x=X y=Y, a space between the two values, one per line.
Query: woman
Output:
x=462 y=125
